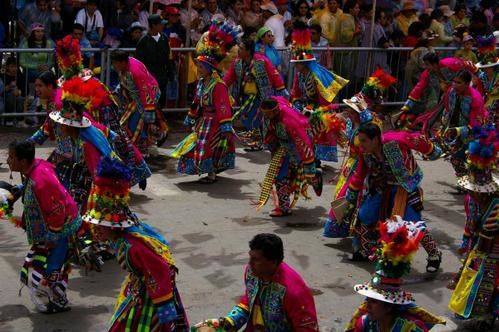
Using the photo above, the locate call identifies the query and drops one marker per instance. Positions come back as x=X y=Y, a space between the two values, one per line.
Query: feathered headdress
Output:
x=68 y=56
x=487 y=52
x=372 y=91
x=301 y=47
x=91 y=94
x=220 y=39
x=108 y=201
x=399 y=241
x=481 y=161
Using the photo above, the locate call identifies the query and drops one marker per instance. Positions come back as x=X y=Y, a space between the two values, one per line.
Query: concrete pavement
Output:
x=209 y=227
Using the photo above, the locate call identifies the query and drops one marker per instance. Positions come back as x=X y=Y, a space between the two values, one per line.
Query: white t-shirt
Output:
x=276 y=24
x=90 y=23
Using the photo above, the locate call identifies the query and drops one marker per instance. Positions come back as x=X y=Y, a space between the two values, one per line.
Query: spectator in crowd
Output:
x=15 y=89
x=109 y=12
x=253 y=17
x=124 y=16
x=449 y=30
x=79 y=33
x=349 y=32
x=459 y=17
x=466 y=50
x=91 y=18
x=328 y=20
x=414 y=34
x=211 y=8
x=38 y=12
x=406 y=17
x=487 y=7
x=318 y=41
x=416 y=63
x=274 y=21
x=176 y=35
x=192 y=19
x=36 y=62
x=264 y=39
x=153 y=50
x=113 y=37
x=133 y=35
x=437 y=25
x=69 y=9
x=425 y=20
x=250 y=33
x=235 y=12
x=478 y=25
x=303 y=13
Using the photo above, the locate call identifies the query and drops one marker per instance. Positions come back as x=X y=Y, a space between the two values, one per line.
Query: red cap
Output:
x=172 y=11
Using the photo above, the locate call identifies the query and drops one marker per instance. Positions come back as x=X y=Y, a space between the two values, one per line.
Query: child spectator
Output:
x=466 y=52
x=14 y=89
x=36 y=62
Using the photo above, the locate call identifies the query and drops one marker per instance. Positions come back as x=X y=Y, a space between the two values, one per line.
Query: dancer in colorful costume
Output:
x=476 y=295
x=292 y=167
x=276 y=297
x=363 y=104
x=253 y=78
x=440 y=71
x=488 y=76
x=393 y=178
x=387 y=306
x=149 y=299
x=210 y=147
x=140 y=92
x=314 y=89
x=103 y=109
x=50 y=218
x=463 y=110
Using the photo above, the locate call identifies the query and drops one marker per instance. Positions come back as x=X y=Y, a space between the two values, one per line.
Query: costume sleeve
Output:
x=270 y=140
x=222 y=106
x=274 y=76
x=230 y=74
x=45 y=131
x=54 y=201
x=156 y=272
x=478 y=115
x=300 y=309
x=415 y=141
x=239 y=315
x=455 y=65
x=304 y=148
x=358 y=175
x=417 y=91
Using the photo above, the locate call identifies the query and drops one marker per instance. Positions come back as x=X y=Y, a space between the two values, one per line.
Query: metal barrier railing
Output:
x=353 y=63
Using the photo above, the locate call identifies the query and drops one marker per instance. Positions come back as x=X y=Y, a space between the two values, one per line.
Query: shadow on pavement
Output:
x=256 y=157
x=224 y=188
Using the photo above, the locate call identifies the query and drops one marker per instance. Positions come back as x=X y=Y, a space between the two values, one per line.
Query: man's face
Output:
x=118 y=66
x=260 y=266
x=300 y=67
x=211 y=5
x=459 y=85
x=43 y=5
x=269 y=114
x=43 y=91
x=91 y=8
x=367 y=144
x=15 y=164
x=255 y=6
x=433 y=67
x=11 y=69
x=316 y=37
x=78 y=34
x=355 y=10
x=377 y=310
x=383 y=20
x=333 y=6
x=135 y=34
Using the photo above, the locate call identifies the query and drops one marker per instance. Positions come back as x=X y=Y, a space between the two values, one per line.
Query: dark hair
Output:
x=422 y=42
x=317 y=28
x=119 y=55
x=78 y=26
x=32 y=41
x=349 y=4
x=249 y=44
x=425 y=20
x=24 y=150
x=377 y=15
x=268 y=103
x=371 y=130
x=91 y=2
x=11 y=60
x=48 y=78
x=436 y=14
x=431 y=58
x=270 y=245
x=248 y=31
x=415 y=29
x=464 y=75
x=459 y=6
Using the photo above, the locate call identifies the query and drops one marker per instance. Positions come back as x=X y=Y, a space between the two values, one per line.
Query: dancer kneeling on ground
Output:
x=276 y=297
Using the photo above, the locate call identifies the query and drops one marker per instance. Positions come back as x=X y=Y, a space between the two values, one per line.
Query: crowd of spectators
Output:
x=419 y=24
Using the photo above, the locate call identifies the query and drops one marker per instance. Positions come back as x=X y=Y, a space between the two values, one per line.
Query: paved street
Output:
x=209 y=226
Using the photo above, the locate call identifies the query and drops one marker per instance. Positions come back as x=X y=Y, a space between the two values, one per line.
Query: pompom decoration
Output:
x=68 y=54
x=301 y=47
x=482 y=151
x=91 y=94
x=377 y=84
x=487 y=52
x=221 y=38
x=6 y=208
